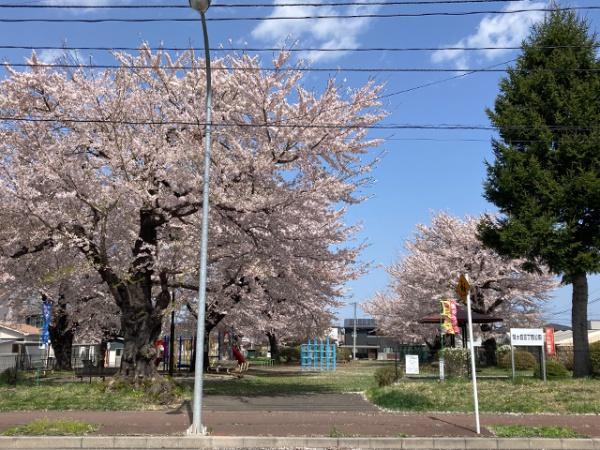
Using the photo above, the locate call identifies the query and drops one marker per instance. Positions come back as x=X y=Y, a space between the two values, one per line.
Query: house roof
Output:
x=566 y=337
x=461 y=317
x=22 y=328
x=557 y=327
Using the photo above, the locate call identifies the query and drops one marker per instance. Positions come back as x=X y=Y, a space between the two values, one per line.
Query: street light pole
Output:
x=354 y=336
x=197 y=428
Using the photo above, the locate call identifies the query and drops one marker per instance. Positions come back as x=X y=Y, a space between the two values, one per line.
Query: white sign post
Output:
x=473 y=374
x=463 y=289
x=527 y=337
x=411 y=364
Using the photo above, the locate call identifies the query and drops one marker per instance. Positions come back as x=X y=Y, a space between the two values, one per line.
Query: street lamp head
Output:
x=200 y=5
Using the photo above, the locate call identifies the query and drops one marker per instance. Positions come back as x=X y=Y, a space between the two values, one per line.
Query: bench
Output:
x=88 y=369
x=229 y=367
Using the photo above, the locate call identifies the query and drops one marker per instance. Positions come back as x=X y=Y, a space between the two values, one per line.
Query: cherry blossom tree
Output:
x=108 y=164
x=429 y=272
x=81 y=304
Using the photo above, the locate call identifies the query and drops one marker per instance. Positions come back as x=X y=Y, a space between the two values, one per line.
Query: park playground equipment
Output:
x=318 y=355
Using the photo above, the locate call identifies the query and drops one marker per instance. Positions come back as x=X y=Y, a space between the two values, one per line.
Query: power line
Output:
x=297 y=49
x=588 y=127
x=271 y=18
x=302 y=69
x=257 y=5
x=443 y=80
x=568 y=310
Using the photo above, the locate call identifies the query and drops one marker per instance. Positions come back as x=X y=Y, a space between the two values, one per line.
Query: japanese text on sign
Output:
x=533 y=337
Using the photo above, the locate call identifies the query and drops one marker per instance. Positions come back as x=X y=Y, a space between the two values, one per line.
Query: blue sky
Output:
x=423 y=171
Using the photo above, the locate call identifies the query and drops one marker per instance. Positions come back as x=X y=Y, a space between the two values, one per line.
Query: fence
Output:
x=400 y=351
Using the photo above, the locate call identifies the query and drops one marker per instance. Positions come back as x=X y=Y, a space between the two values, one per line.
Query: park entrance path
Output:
x=306 y=402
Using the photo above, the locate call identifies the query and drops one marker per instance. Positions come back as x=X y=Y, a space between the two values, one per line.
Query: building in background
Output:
x=19 y=344
x=369 y=344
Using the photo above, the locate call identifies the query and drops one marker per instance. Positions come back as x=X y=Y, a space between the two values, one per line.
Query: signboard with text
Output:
x=530 y=337
x=412 y=364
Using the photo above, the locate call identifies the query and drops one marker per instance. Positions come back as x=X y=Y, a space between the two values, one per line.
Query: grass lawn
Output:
x=513 y=431
x=281 y=380
x=566 y=396
x=46 y=427
x=64 y=396
x=526 y=395
x=53 y=394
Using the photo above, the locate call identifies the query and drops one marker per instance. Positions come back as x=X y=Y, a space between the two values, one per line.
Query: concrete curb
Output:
x=231 y=442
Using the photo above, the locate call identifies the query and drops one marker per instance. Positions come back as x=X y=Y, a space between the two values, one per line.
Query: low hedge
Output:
x=456 y=361
x=595 y=356
x=554 y=369
x=523 y=360
x=386 y=376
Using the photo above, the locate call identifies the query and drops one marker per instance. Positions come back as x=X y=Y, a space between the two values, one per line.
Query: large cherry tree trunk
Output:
x=140 y=325
x=582 y=366
x=141 y=311
x=61 y=337
x=61 y=333
x=273 y=346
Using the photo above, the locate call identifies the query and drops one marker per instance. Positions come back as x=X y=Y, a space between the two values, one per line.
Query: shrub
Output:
x=343 y=354
x=595 y=356
x=290 y=354
x=523 y=360
x=502 y=350
x=10 y=376
x=385 y=376
x=554 y=369
x=565 y=356
x=456 y=361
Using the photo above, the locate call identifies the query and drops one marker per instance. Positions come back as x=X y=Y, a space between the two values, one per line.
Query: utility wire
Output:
x=302 y=69
x=590 y=302
x=589 y=127
x=256 y=5
x=443 y=80
x=271 y=18
x=296 y=49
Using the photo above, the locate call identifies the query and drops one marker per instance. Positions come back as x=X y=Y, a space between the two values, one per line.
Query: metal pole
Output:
x=172 y=345
x=543 y=368
x=473 y=374
x=512 y=360
x=354 y=336
x=197 y=427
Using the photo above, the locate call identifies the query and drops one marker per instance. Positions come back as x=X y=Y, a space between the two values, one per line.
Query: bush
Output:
x=343 y=354
x=289 y=354
x=523 y=360
x=456 y=361
x=554 y=369
x=385 y=376
x=565 y=356
x=502 y=350
x=595 y=356
x=10 y=376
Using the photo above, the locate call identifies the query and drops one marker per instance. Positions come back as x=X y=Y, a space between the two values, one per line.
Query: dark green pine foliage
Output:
x=545 y=179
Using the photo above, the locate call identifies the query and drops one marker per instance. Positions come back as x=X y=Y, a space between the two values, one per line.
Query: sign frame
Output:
x=528 y=337
x=411 y=364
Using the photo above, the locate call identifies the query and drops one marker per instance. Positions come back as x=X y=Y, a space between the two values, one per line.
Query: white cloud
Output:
x=500 y=30
x=91 y=3
x=53 y=56
x=322 y=33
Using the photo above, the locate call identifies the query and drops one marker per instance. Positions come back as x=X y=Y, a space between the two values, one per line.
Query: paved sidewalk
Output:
x=286 y=443
x=296 y=423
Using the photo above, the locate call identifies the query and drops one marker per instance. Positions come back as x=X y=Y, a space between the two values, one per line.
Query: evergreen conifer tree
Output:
x=545 y=179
